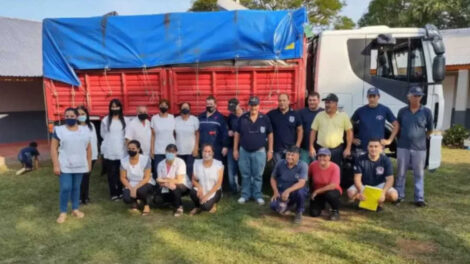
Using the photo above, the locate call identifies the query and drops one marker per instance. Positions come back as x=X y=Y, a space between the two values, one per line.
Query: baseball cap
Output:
x=254 y=100
x=232 y=104
x=416 y=90
x=373 y=91
x=324 y=151
x=331 y=97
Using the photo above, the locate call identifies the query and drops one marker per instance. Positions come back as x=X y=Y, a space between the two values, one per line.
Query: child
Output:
x=26 y=156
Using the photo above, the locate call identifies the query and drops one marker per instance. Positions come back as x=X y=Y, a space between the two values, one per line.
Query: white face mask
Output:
x=206 y=156
x=81 y=118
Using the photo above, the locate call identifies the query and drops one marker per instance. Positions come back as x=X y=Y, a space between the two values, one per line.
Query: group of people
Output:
x=161 y=158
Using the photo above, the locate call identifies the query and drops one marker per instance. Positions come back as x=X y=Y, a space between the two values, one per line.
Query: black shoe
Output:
x=379 y=209
x=420 y=204
x=334 y=215
x=298 y=218
x=398 y=201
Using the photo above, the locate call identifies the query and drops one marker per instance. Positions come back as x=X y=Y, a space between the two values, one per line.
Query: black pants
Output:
x=114 y=181
x=189 y=161
x=172 y=196
x=156 y=160
x=207 y=205
x=142 y=194
x=85 y=185
x=330 y=197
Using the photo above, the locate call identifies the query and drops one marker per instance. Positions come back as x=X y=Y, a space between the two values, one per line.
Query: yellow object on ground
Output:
x=372 y=195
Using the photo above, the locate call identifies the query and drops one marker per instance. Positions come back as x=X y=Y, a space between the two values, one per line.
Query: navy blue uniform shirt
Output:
x=232 y=123
x=253 y=135
x=213 y=130
x=286 y=177
x=284 y=128
x=371 y=122
x=306 y=117
x=373 y=172
x=27 y=154
x=413 y=128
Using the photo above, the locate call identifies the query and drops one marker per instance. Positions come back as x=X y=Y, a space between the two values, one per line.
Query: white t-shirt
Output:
x=207 y=177
x=114 y=144
x=135 y=130
x=185 y=134
x=135 y=173
x=163 y=129
x=94 y=141
x=178 y=167
x=73 y=148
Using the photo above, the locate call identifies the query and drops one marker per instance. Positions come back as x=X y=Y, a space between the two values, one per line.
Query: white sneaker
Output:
x=260 y=201
x=241 y=200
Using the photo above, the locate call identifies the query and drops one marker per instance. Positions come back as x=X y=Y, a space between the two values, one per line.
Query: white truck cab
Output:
x=349 y=62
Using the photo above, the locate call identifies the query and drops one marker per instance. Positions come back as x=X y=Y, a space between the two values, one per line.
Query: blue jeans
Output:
x=232 y=171
x=417 y=160
x=251 y=165
x=69 y=190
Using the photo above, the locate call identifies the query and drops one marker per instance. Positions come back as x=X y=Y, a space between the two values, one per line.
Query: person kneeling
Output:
x=374 y=169
x=208 y=174
x=135 y=176
x=288 y=183
x=325 y=177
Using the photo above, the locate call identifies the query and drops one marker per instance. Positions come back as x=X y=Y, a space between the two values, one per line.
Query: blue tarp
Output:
x=123 y=42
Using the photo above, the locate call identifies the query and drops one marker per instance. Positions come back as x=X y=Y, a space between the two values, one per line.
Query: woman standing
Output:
x=163 y=127
x=112 y=131
x=135 y=176
x=71 y=157
x=84 y=121
x=207 y=182
x=187 y=137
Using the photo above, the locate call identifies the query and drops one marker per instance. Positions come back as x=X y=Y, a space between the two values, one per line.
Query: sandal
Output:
x=194 y=211
x=213 y=209
x=62 y=217
x=178 y=212
x=78 y=214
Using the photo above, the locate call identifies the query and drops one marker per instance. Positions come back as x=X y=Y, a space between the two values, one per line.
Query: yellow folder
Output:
x=372 y=195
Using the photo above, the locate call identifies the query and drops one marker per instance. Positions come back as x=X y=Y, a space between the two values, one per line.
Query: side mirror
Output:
x=386 y=40
x=438 y=46
x=439 y=68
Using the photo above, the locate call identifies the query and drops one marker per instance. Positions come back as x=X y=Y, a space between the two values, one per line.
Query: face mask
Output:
x=70 y=121
x=142 y=117
x=132 y=153
x=82 y=118
x=170 y=156
x=163 y=109
x=185 y=111
x=206 y=156
x=210 y=109
x=115 y=112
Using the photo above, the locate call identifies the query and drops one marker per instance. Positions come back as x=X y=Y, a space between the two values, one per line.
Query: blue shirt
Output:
x=213 y=130
x=286 y=177
x=306 y=118
x=371 y=122
x=27 y=154
x=232 y=123
x=253 y=135
x=284 y=128
x=413 y=128
x=373 y=172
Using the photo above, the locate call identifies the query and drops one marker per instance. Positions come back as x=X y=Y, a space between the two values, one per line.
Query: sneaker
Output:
x=21 y=171
x=260 y=201
x=178 y=212
x=420 y=204
x=242 y=200
x=334 y=215
x=120 y=196
x=398 y=201
x=298 y=218
x=114 y=198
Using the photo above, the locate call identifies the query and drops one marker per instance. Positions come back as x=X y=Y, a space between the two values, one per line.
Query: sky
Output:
x=40 y=9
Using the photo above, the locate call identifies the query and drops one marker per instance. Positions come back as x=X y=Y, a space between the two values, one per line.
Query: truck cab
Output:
x=349 y=62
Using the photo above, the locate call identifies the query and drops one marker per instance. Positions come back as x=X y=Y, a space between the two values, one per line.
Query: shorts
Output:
x=380 y=186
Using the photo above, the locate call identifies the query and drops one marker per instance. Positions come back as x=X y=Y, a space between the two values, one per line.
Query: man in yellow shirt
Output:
x=328 y=129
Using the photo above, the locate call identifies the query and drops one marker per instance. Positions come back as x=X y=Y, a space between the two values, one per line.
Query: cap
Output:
x=331 y=97
x=373 y=91
x=232 y=104
x=254 y=100
x=324 y=151
x=416 y=90
x=293 y=149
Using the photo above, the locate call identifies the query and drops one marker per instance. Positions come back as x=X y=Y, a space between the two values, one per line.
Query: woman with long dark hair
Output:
x=84 y=120
x=114 y=146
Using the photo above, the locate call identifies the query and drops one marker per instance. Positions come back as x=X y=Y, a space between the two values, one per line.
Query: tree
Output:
x=417 y=13
x=204 y=5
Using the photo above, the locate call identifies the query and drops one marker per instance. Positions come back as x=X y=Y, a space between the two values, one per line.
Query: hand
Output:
x=200 y=194
x=361 y=197
x=314 y=194
x=285 y=195
x=230 y=133
x=385 y=142
x=382 y=197
x=204 y=199
x=133 y=192
x=275 y=196
x=57 y=170
x=347 y=152
x=195 y=153
x=357 y=142
x=224 y=151
x=312 y=152
x=171 y=186
x=236 y=155
x=270 y=155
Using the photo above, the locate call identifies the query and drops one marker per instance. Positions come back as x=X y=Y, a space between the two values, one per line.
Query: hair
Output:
x=281 y=94
x=87 y=121
x=74 y=110
x=183 y=103
x=136 y=143
x=121 y=115
x=171 y=147
x=207 y=145
x=163 y=100
x=374 y=140
x=33 y=144
x=211 y=97
x=313 y=94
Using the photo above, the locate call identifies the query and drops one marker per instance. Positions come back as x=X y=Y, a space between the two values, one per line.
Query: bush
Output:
x=454 y=136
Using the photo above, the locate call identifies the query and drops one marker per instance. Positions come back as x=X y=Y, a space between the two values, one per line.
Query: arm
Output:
x=145 y=180
x=152 y=144
x=358 y=184
x=236 y=140
x=326 y=188
x=55 y=156
x=274 y=187
x=295 y=187
x=225 y=139
x=270 y=146
x=313 y=137
x=395 y=129
x=215 y=187
x=88 y=156
x=349 y=140
x=196 y=145
x=300 y=135
x=123 y=176
x=36 y=162
x=387 y=186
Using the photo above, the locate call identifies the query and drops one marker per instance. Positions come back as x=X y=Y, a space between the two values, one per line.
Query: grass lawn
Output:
x=439 y=233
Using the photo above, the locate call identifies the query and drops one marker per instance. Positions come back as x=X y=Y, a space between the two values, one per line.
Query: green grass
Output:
x=439 y=233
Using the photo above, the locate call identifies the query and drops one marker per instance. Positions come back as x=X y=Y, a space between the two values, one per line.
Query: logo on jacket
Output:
x=262 y=129
x=292 y=119
x=379 y=117
x=379 y=170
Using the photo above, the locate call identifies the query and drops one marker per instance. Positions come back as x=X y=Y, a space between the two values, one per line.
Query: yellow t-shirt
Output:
x=330 y=130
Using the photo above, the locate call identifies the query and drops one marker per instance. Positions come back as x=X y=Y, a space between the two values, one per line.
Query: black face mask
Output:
x=143 y=116
x=210 y=109
x=185 y=111
x=132 y=153
x=163 y=109
x=115 y=112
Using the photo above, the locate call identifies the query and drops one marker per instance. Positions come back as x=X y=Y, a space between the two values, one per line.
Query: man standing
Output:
x=416 y=125
x=139 y=129
x=287 y=127
x=235 y=112
x=328 y=129
x=370 y=120
x=213 y=129
x=307 y=115
x=288 y=183
x=253 y=131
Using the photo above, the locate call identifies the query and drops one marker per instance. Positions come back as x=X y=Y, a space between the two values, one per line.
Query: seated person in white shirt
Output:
x=172 y=181
x=207 y=179
x=136 y=177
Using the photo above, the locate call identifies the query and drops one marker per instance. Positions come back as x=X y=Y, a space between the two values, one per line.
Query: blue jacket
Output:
x=213 y=130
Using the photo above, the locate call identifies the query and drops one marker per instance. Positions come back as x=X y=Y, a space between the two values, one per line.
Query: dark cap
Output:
x=324 y=151
x=373 y=91
x=171 y=147
x=232 y=104
x=416 y=90
x=331 y=97
x=293 y=149
x=254 y=100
